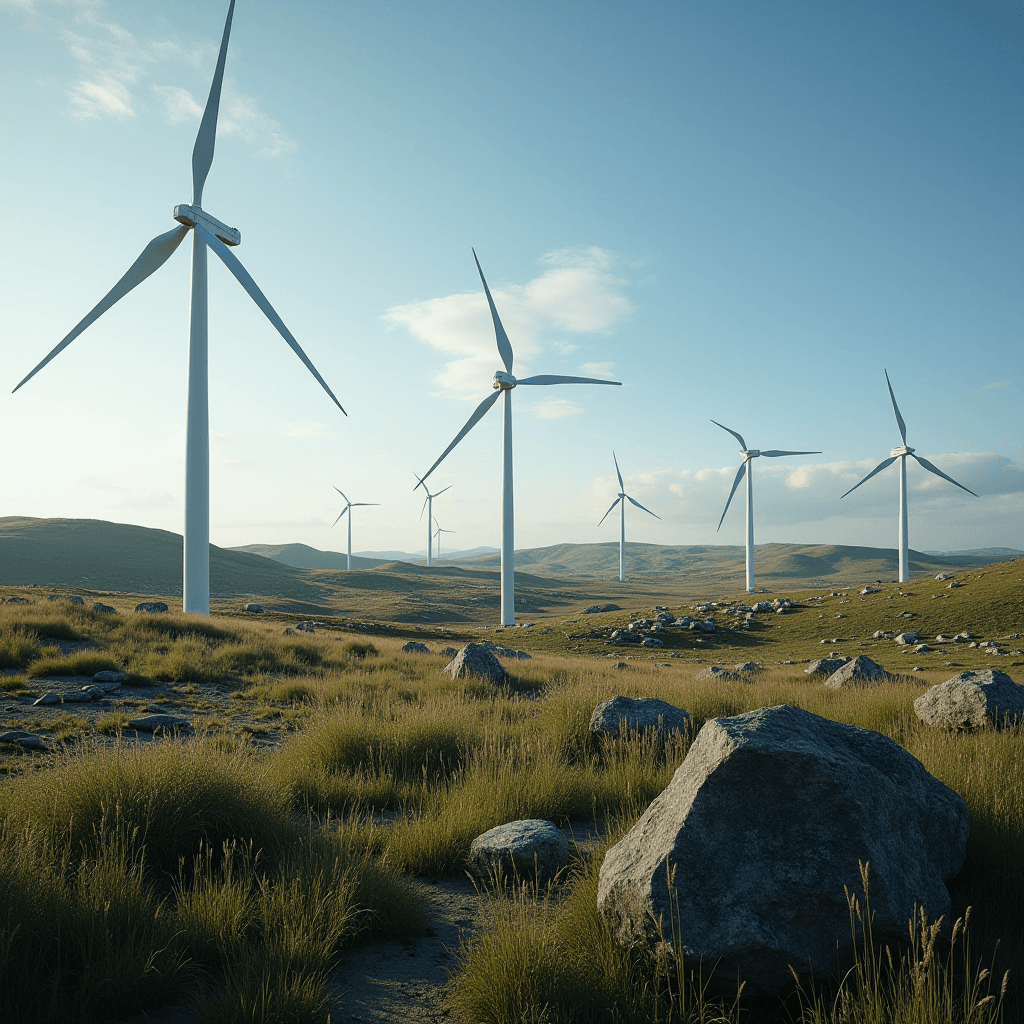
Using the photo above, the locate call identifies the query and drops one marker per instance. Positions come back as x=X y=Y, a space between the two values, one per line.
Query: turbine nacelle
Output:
x=503 y=381
x=752 y=454
x=193 y=215
x=902 y=450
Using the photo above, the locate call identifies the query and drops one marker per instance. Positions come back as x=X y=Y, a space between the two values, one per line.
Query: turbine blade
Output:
x=342 y=493
x=896 y=409
x=554 y=378
x=202 y=153
x=448 y=488
x=336 y=521
x=478 y=414
x=230 y=260
x=605 y=516
x=365 y=504
x=877 y=469
x=647 y=510
x=622 y=486
x=504 y=345
x=775 y=453
x=938 y=472
x=735 y=483
x=424 y=509
x=153 y=257
x=743 y=444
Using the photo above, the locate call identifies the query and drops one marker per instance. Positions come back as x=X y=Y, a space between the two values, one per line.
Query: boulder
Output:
x=523 y=656
x=620 y=664
x=307 y=627
x=750 y=846
x=151 y=606
x=650 y=641
x=82 y=696
x=748 y=666
x=449 y=652
x=47 y=698
x=908 y=639
x=719 y=673
x=97 y=692
x=17 y=600
x=151 y=723
x=972 y=700
x=253 y=607
x=520 y=849
x=825 y=666
x=415 y=647
x=109 y=676
x=475 y=660
x=945 y=575
x=640 y=714
x=23 y=739
x=858 y=672
x=104 y=609
x=70 y=598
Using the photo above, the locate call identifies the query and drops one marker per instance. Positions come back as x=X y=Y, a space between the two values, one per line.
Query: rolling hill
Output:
x=302 y=556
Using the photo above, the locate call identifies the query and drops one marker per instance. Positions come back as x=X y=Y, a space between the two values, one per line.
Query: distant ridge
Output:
x=302 y=556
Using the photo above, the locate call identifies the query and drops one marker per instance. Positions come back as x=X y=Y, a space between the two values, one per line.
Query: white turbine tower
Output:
x=437 y=534
x=503 y=383
x=901 y=453
x=621 y=502
x=748 y=454
x=208 y=233
x=428 y=505
x=349 y=505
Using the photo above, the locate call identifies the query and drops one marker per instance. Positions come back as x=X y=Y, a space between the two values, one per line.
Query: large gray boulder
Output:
x=520 y=849
x=859 y=672
x=750 y=846
x=972 y=700
x=151 y=723
x=154 y=607
x=716 y=672
x=475 y=660
x=639 y=714
x=825 y=666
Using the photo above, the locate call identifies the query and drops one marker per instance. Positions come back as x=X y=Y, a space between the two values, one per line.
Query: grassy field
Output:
x=326 y=770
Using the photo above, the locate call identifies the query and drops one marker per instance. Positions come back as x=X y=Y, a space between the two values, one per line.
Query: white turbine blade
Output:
x=336 y=521
x=743 y=444
x=877 y=469
x=775 y=453
x=622 y=486
x=899 y=418
x=439 y=493
x=202 y=153
x=342 y=493
x=365 y=504
x=605 y=516
x=504 y=345
x=470 y=424
x=153 y=257
x=638 y=505
x=735 y=483
x=230 y=260
x=938 y=472
x=424 y=509
x=552 y=378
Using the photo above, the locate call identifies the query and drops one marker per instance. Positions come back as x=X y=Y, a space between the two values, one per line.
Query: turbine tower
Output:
x=621 y=502
x=503 y=384
x=901 y=453
x=348 y=506
x=208 y=232
x=437 y=534
x=748 y=454
x=428 y=505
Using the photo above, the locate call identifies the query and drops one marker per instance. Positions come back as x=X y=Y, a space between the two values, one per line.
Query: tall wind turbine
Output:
x=428 y=505
x=748 y=454
x=503 y=383
x=621 y=502
x=901 y=453
x=437 y=534
x=349 y=505
x=214 y=234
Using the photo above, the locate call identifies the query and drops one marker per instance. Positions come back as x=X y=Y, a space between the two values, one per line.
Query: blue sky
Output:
x=741 y=210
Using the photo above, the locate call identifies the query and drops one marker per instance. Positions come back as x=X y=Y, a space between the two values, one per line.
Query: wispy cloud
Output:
x=997 y=384
x=555 y=409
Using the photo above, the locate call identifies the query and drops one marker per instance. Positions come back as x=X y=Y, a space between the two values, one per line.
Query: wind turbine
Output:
x=901 y=453
x=503 y=383
x=437 y=534
x=428 y=504
x=214 y=234
x=621 y=502
x=748 y=454
x=349 y=505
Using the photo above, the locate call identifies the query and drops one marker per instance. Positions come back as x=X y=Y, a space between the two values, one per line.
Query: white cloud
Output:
x=577 y=293
x=556 y=408
x=598 y=370
x=997 y=384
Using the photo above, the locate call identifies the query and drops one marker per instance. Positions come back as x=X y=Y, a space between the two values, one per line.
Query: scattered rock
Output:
x=17 y=600
x=415 y=647
x=972 y=700
x=748 y=666
x=922 y=648
x=858 y=672
x=104 y=609
x=253 y=607
x=23 y=739
x=449 y=652
x=306 y=627
x=47 y=698
x=151 y=723
x=475 y=660
x=962 y=638
x=640 y=715
x=594 y=608
x=762 y=826
x=519 y=849
x=719 y=673
x=620 y=664
x=907 y=639
x=945 y=575
x=523 y=656
x=70 y=598
x=953 y=585
x=883 y=634
x=81 y=697
x=97 y=692
x=870 y=590
x=825 y=666
x=151 y=606
x=109 y=676
x=650 y=641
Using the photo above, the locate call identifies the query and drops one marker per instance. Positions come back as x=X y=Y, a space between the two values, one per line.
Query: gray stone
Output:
x=748 y=666
x=70 y=598
x=96 y=692
x=415 y=647
x=640 y=714
x=475 y=660
x=825 y=666
x=13 y=735
x=32 y=743
x=922 y=648
x=720 y=674
x=620 y=664
x=972 y=700
x=531 y=848
x=151 y=606
x=47 y=698
x=858 y=672
x=908 y=639
x=449 y=652
x=252 y=607
x=945 y=575
x=953 y=585
x=109 y=676
x=308 y=627
x=81 y=697
x=150 y=723
x=17 y=600
x=650 y=641
x=523 y=656
x=760 y=829
x=104 y=609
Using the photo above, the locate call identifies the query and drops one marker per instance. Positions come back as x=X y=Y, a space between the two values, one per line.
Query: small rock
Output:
x=70 y=598
x=306 y=627
x=870 y=590
x=81 y=697
x=47 y=698
x=922 y=648
x=651 y=641
x=95 y=692
x=13 y=735
x=519 y=849
x=151 y=606
x=109 y=676
x=945 y=575
x=17 y=600
x=32 y=743
x=252 y=607
x=640 y=715
x=972 y=700
x=907 y=639
x=620 y=664
x=720 y=674
x=749 y=666
x=150 y=723
x=415 y=647
x=475 y=660
x=953 y=585
x=858 y=672
x=449 y=652
x=104 y=609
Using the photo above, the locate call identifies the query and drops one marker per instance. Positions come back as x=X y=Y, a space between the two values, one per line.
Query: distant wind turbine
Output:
x=621 y=502
x=437 y=534
x=428 y=505
x=901 y=453
x=349 y=505
x=214 y=234
x=748 y=454
x=503 y=383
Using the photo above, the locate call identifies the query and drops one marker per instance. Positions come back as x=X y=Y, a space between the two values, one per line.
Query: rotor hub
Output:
x=752 y=454
x=503 y=381
x=193 y=215
x=902 y=450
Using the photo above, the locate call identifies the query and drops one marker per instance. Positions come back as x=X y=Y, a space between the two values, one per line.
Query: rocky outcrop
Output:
x=639 y=714
x=152 y=723
x=861 y=671
x=415 y=647
x=104 y=609
x=151 y=606
x=253 y=607
x=531 y=848
x=972 y=700
x=825 y=666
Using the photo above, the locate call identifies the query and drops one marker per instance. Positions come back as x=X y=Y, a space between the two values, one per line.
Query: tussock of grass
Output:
x=80 y=663
x=360 y=649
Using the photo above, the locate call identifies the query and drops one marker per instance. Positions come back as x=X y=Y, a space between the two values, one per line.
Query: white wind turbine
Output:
x=748 y=454
x=349 y=505
x=901 y=453
x=208 y=233
x=428 y=505
x=621 y=502
x=437 y=534
x=503 y=383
